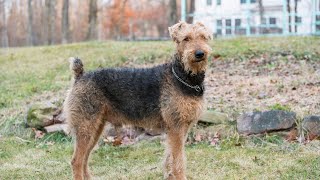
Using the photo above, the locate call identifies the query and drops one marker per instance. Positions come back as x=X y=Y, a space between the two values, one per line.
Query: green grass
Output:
x=28 y=75
x=41 y=159
x=278 y=106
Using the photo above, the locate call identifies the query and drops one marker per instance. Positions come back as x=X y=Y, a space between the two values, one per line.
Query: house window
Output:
x=219 y=27
x=228 y=22
x=219 y=32
x=209 y=2
x=219 y=23
x=228 y=26
x=238 y=22
x=264 y=21
x=298 y=19
x=317 y=17
x=243 y=1
x=272 y=21
x=218 y=2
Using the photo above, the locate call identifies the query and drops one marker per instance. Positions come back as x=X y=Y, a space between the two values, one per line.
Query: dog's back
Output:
x=133 y=92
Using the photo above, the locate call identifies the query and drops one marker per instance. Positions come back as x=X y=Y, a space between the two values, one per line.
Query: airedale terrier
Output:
x=167 y=97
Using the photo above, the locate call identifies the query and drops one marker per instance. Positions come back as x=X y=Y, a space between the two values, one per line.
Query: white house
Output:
x=254 y=17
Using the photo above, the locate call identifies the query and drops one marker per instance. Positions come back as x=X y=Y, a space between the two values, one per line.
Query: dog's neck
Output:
x=192 y=80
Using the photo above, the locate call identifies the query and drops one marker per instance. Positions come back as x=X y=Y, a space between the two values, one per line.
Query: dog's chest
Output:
x=178 y=107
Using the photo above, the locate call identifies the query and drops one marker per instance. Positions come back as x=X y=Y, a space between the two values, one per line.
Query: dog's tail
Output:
x=77 y=67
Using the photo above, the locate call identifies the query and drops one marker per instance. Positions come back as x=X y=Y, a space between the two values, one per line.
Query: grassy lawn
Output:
x=29 y=75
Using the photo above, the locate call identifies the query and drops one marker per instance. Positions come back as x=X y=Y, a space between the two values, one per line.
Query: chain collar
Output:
x=196 y=87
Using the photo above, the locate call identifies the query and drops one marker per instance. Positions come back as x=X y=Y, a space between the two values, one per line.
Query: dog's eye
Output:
x=186 y=39
x=204 y=37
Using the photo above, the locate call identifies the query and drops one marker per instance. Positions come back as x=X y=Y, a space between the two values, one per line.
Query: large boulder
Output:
x=43 y=114
x=312 y=125
x=260 y=122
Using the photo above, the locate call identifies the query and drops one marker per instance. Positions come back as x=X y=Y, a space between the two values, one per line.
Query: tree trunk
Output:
x=3 y=29
x=65 y=22
x=92 y=32
x=289 y=14
x=30 y=38
x=295 y=15
x=50 y=21
x=261 y=14
x=191 y=10
x=172 y=12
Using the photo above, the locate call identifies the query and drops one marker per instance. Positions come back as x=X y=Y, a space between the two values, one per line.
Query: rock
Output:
x=213 y=117
x=40 y=115
x=132 y=132
x=149 y=138
x=57 y=127
x=260 y=122
x=312 y=125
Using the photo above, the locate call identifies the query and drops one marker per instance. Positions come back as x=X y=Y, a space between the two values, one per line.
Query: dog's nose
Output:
x=199 y=54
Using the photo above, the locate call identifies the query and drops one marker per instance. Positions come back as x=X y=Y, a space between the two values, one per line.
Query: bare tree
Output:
x=65 y=22
x=295 y=15
x=50 y=18
x=30 y=38
x=289 y=14
x=93 y=10
x=191 y=9
x=261 y=13
x=3 y=28
x=173 y=18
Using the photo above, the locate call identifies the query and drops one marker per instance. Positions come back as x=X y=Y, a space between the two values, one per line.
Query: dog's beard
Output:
x=191 y=64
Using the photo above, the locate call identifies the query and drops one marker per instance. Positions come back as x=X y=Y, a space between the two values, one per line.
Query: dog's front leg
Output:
x=175 y=158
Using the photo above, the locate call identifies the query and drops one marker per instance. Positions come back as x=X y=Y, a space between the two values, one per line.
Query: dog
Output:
x=168 y=97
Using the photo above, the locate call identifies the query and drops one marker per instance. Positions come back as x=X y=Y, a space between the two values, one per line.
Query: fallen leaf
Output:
x=198 y=137
x=127 y=141
x=38 y=134
x=117 y=142
x=292 y=135
x=312 y=136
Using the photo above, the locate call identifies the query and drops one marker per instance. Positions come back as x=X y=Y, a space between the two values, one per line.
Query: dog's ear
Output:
x=208 y=31
x=200 y=24
x=174 y=30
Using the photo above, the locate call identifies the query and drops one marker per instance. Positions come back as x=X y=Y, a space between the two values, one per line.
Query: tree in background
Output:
x=295 y=15
x=120 y=15
x=30 y=38
x=93 y=10
x=46 y=22
x=172 y=12
x=50 y=17
x=289 y=14
x=3 y=27
x=261 y=14
x=65 y=22
x=191 y=8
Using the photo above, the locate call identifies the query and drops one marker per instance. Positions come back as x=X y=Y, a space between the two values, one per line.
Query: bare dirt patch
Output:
x=235 y=86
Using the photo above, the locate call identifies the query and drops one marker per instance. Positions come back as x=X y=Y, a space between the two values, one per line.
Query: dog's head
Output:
x=192 y=45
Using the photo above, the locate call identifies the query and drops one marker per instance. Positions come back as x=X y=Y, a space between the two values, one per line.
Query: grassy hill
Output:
x=33 y=74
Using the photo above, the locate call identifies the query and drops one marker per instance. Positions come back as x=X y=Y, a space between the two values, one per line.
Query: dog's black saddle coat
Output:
x=135 y=92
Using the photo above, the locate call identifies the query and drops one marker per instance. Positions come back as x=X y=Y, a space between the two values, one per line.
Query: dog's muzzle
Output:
x=199 y=55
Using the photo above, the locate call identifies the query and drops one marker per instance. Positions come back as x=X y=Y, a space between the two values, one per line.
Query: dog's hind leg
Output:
x=87 y=133
x=77 y=162
x=92 y=142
